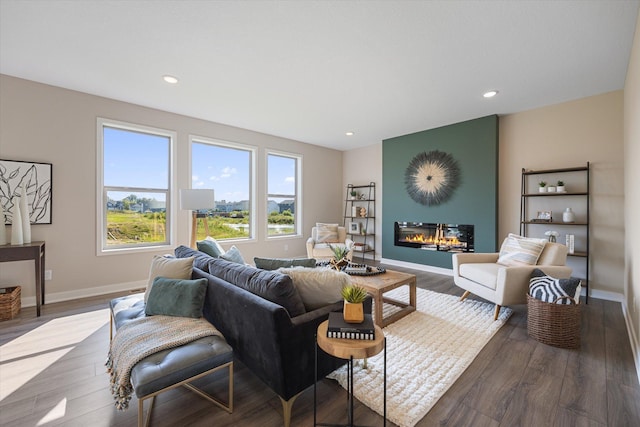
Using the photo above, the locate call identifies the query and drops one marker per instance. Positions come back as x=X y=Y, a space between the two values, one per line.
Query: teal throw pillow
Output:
x=210 y=247
x=276 y=263
x=233 y=255
x=176 y=297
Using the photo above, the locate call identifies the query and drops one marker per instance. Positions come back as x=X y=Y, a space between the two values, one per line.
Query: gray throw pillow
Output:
x=176 y=297
x=276 y=263
x=233 y=255
x=210 y=247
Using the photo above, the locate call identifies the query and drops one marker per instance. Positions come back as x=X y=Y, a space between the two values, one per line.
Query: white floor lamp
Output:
x=195 y=200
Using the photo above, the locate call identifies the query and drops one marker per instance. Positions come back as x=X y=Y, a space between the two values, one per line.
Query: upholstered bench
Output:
x=174 y=367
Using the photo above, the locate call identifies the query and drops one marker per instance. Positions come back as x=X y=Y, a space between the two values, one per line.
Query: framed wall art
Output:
x=354 y=228
x=37 y=181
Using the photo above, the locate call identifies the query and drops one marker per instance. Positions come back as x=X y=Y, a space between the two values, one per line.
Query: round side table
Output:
x=350 y=349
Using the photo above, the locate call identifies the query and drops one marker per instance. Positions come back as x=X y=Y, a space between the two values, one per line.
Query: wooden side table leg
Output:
x=377 y=298
x=412 y=294
x=39 y=281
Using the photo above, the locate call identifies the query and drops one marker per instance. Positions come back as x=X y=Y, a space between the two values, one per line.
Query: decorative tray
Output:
x=362 y=270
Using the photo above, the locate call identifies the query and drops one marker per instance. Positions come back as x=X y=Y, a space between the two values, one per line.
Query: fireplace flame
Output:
x=431 y=240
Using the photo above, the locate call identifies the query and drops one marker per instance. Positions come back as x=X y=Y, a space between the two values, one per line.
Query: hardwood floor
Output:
x=52 y=373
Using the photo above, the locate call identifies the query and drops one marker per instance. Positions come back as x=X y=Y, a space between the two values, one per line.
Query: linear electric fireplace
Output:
x=434 y=237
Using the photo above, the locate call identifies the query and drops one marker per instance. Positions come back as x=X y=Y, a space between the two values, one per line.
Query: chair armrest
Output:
x=471 y=258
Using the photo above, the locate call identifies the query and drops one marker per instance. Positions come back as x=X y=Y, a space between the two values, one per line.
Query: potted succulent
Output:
x=560 y=187
x=543 y=186
x=354 y=194
x=339 y=256
x=353 y=310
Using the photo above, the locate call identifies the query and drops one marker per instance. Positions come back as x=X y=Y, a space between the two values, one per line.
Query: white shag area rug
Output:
x=426 y=353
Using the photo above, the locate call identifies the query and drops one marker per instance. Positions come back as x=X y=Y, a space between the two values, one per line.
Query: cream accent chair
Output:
x=479 y=274
x=322 y=250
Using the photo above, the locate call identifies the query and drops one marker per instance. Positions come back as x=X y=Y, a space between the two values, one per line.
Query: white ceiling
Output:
x=312 y=70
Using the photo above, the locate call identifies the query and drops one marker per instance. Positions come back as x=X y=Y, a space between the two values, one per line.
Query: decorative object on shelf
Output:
x=26 y=217
x=551 y=234
x=16 y=225
x=354 y=227
x=354 y=194
x=3 y=229
x=551 y=189
x=568 y=216
x=36 y=178
x=363 y=196
x=354 y=211
x=571 y=238
x=363 y=212
x=542 y=185
x=560 y=187
x=543 y=216
x=431 y=178
x=354 y=296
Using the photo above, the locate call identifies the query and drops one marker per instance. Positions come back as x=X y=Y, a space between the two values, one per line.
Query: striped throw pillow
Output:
x=549 y=289
x=326 y=233
x=517 y=250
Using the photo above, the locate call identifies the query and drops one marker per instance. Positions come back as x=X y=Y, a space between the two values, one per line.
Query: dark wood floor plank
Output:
x=624 y=404
x=621 y=368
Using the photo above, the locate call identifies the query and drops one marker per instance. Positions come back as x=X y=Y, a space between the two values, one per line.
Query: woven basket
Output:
x=554 y=324
x=10 y=303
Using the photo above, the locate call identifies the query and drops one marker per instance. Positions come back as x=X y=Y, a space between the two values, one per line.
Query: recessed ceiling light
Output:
x=349 y=133
x=490 y=94
x=170 y=79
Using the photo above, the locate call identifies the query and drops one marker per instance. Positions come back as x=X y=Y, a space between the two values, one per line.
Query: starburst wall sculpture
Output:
x=431 y=178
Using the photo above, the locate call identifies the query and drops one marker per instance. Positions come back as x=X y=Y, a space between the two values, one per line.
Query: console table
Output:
x=24 y=252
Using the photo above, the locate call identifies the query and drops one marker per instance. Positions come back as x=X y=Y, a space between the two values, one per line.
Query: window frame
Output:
x=102 y=190
x=253 y=151
x=297 y=197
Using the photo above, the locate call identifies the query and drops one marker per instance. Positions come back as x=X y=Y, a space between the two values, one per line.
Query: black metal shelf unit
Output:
x=361 y=229
x=528 y=200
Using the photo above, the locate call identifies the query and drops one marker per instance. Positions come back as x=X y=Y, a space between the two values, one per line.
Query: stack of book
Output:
x=338 y=328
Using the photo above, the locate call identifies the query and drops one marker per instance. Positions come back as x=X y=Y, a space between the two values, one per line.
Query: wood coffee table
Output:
x=379 y=284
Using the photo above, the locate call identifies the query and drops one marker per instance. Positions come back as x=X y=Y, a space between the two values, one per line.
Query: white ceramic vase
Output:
x=26 y=217
x=3 y=229
x=568 y=216
x=16 y=224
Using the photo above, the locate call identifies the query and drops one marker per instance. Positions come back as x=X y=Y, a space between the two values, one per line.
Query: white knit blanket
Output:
x=143 y=337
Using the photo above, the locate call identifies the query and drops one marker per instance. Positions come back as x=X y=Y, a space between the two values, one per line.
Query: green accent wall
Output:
x=474 y=145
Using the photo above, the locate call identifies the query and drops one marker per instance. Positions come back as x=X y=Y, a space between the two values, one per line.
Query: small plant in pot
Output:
x=339 y=256
x=354 y=194
x=542 y=185
x=560 y=187
x=353 y=310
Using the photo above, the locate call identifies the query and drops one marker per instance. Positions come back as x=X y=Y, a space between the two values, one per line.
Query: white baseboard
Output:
x=51 y=297
x=633 y=337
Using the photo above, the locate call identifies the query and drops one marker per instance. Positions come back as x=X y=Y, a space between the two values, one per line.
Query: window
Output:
x=134 y=176
x=283 y=211
x=227 y=168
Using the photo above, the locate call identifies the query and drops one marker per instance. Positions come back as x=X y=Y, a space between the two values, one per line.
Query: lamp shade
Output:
x=192 y=199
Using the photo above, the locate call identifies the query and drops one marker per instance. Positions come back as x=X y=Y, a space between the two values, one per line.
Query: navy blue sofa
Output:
x=261 y=315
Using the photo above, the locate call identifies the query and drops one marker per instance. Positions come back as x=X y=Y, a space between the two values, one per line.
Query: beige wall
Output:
x=632 y=194
x=48 y=124
x=360 y=167
x=565 y=135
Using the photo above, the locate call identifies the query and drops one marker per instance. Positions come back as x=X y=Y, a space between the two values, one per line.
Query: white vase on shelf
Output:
x=26 y=217
x=3 y=229
x=568 y=216
x=16 y=224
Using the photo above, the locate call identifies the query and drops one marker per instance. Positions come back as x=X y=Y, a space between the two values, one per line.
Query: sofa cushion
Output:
x=210 y=246
x=276 y=263
x=169 y=267
x=549 y=289
x=176 y=297
x=485 y=274
x=200 y=259
x=233 y=255
x=270 y=285
x=317 y=287
x=517 y=250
